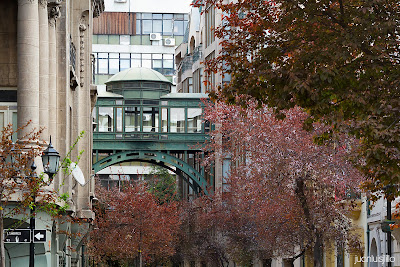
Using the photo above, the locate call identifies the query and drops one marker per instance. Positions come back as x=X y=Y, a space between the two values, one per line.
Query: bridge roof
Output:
x=109 y=94
x=138 y=74
x=185 y=95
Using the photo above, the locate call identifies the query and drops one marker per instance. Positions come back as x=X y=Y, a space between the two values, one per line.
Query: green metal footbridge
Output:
x=138 y=119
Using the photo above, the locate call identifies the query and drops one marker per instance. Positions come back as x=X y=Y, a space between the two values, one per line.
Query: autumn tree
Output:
x=21 y=188
x=162 y=184
x=339 y=60
x=285 y=193
x=132 y=226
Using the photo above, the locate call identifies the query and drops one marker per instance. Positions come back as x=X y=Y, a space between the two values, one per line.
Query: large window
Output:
x=150 y=119
x=194 y=120
x=132 y=115
x=177 y=118
x=147 y=119
x=106 y=119
x=164 y=120
x=112 y=63
x=164 y=24
x=210 y=25
x=210 y=77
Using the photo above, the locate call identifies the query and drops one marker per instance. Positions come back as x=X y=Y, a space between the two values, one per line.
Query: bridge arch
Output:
x=153 y=157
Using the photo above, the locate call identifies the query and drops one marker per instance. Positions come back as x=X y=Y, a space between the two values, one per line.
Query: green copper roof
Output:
x=138 y=74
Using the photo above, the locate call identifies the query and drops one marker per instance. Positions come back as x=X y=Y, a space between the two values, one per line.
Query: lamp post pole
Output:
x=32 y=222
x=50 y=159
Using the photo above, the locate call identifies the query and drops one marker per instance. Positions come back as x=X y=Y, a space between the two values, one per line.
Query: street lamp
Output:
x=50 y=159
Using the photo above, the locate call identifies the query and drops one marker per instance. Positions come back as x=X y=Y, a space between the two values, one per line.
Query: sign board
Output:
x=39 y=236
x=17 y=236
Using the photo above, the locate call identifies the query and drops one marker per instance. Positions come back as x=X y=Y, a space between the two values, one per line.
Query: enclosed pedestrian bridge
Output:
x=138 y=119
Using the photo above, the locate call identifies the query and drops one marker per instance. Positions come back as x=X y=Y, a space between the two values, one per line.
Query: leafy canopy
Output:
x=339 y=60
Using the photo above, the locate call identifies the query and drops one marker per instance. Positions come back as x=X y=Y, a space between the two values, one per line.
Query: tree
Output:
x=285 y=193
x=21 y=189
x=162 y=185
x=135 y=224
x=339 y=60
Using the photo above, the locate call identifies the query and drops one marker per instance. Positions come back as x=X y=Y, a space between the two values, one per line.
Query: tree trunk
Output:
x=318 y=245
x=2 y=250
x=318 y=250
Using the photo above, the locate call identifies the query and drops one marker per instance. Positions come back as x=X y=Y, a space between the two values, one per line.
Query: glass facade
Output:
x=147 y=119
x=112 y=63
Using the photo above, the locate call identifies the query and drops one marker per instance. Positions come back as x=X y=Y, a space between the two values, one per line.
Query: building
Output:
x=132 y=34
x=46 y=77
x=138 y=34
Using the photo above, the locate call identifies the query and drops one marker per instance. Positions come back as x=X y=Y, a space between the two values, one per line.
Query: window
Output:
x=210 y=25
x=146 y=61
x=164 y=120
x=194 y=120
x=132 y=115
x=210 y=77
x=118 y=119
x=167 y=27
x=102 y=63
x=136 y=60
x=157 y=61
x=124 y=61
x=125 y=40
x=112 y=63
x=177 y=120
x=198 y=86
x=150 y=119
x=106 y=119
x=147 y=26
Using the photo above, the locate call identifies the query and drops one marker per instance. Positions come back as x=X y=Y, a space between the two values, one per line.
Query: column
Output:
x=28 y=65
x=44 y=69
x=52 y=80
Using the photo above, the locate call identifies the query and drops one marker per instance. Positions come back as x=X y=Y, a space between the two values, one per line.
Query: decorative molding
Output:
x=54 y=14
x=82 y=30
x=43 y=3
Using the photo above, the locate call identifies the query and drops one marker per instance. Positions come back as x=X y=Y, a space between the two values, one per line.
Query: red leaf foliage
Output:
x=131 y=221
x=284 y=194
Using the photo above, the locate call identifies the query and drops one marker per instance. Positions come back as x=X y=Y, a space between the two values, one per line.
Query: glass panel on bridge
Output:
x=106 y=119
x=164 y=120
x=150 y=119
x=177 y=120
x=118 y=119
x=194 y=120
x=132 y=115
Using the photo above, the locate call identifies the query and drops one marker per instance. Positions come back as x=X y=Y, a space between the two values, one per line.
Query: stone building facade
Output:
x=46 y=77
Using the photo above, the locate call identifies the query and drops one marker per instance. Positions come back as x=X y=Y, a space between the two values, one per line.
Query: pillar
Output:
x=28 y=65
x=54 y=13
x=44 y=69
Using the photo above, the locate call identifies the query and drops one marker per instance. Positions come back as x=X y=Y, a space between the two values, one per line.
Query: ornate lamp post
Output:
x=50 y=159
